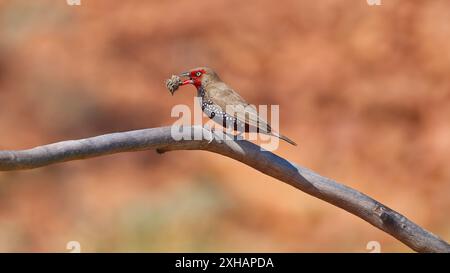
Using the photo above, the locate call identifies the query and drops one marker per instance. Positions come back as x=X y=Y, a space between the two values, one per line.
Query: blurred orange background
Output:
x=364 y=90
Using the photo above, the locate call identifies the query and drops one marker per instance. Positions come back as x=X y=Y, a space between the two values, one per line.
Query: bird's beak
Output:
x=186 y=75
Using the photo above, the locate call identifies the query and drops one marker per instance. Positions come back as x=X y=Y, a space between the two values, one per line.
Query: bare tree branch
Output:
x=246 y=152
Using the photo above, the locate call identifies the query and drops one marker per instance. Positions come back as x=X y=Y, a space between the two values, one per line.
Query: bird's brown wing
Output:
x=234 y=105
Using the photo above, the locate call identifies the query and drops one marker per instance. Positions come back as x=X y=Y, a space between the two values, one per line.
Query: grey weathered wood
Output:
x=246 y=152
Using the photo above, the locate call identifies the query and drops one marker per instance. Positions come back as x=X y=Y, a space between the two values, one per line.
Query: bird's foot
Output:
x=211 y=133
x=239 y=135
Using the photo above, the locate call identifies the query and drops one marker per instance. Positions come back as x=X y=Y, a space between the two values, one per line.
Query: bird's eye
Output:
x=198 y=73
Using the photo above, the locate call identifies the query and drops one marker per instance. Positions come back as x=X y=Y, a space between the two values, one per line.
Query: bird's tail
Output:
x=285 y=138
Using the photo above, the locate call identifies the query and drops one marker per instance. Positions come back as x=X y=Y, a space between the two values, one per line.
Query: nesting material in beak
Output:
x=173 y=83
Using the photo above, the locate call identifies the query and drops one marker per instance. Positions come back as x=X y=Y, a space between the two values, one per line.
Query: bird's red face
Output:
x=195 y=77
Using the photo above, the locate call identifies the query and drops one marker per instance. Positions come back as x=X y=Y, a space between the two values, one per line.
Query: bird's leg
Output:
x=239 y=135
x=211 y=132
x=240 y=131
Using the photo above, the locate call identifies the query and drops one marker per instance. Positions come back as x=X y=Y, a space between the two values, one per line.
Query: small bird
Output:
x=222 y=104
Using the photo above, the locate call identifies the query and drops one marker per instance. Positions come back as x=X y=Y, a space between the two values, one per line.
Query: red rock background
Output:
x=364 y=90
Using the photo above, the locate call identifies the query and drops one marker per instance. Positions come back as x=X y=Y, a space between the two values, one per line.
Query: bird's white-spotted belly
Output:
x=217 y=114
